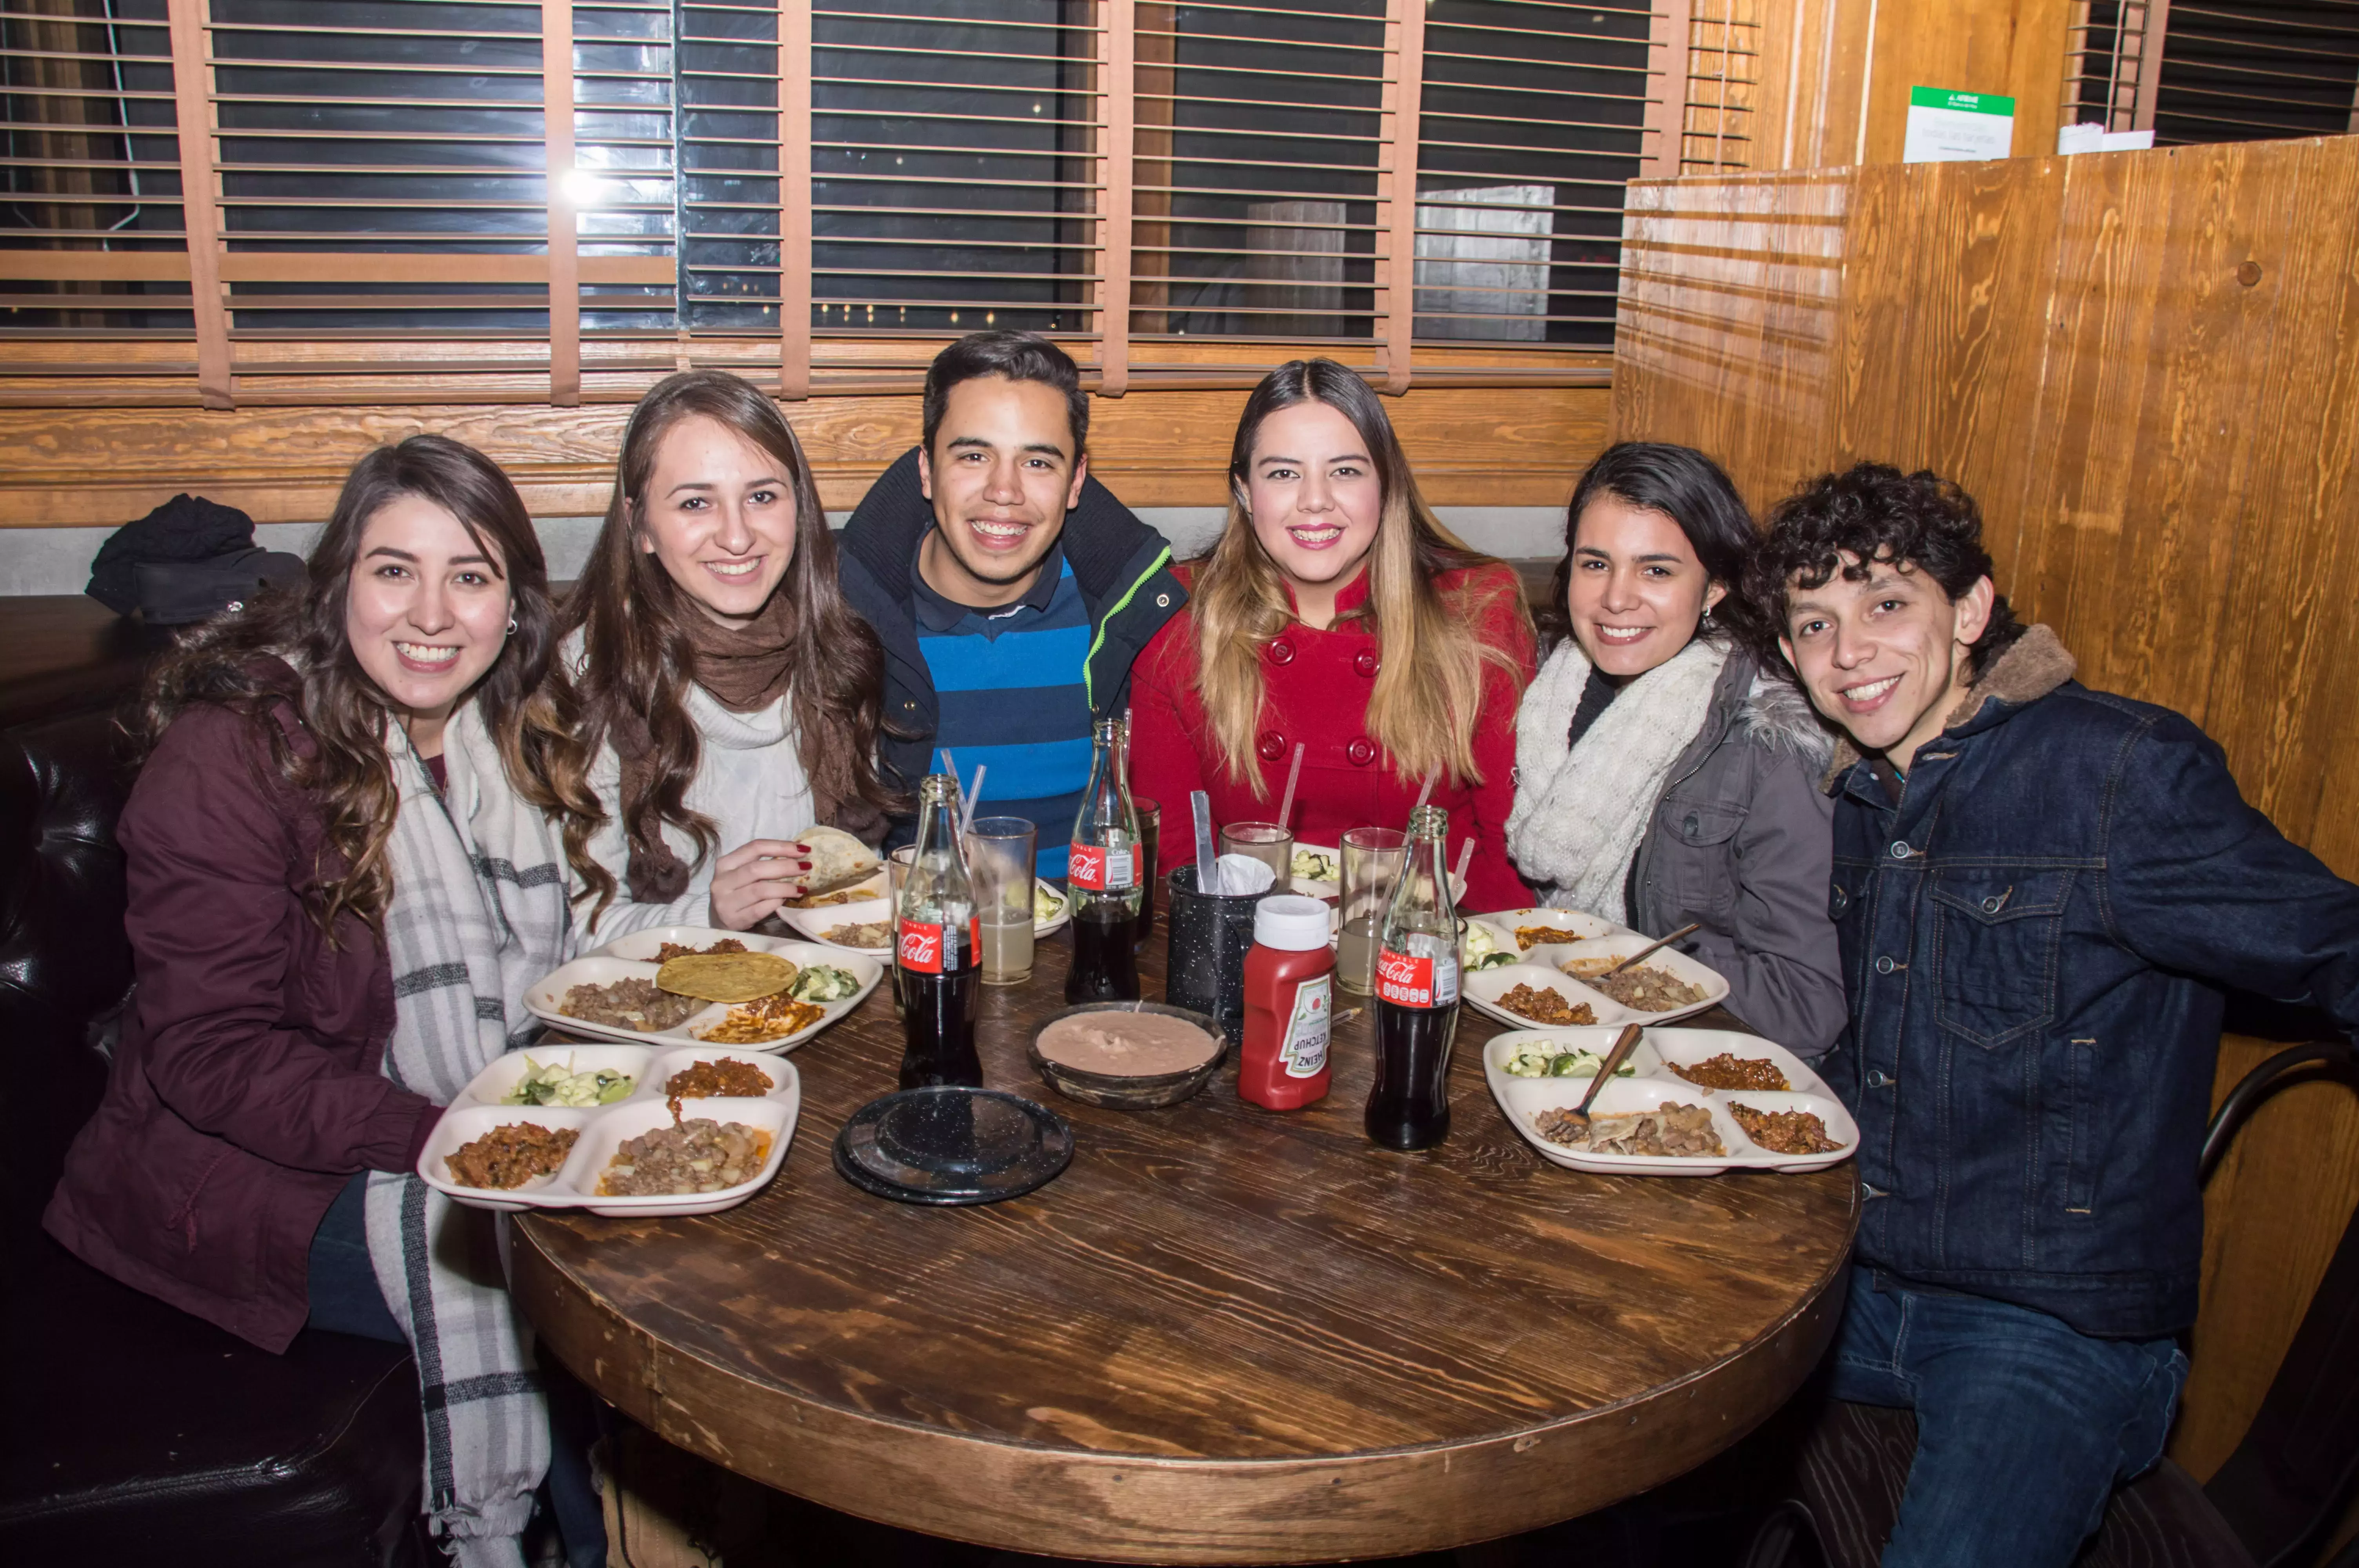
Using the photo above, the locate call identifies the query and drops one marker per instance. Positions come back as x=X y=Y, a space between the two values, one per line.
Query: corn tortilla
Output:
x=732 y=977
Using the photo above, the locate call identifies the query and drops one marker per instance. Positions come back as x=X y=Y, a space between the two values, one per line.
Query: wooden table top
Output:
x=1221 y=1336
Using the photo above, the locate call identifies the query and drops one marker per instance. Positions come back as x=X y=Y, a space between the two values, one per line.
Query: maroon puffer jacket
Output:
x=246 y=1089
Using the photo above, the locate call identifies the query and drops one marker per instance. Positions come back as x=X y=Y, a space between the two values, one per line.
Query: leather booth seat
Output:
x=129 y=1431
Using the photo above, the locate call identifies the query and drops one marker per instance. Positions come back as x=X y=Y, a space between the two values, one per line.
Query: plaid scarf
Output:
x=478 y=913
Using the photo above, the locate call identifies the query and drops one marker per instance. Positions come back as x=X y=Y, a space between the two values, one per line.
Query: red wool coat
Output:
x=1316 y=694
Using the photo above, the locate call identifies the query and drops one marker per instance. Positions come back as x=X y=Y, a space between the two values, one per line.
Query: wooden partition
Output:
x=2145 y=367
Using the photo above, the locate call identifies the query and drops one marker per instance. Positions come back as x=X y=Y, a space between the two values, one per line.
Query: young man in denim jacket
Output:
x=2040 y=892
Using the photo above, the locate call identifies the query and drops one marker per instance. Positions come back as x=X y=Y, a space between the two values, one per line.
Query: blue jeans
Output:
x=2024 y=1427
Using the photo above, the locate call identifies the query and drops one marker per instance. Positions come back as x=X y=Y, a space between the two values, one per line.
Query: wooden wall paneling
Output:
x=1730 y=295
x=2011 y=47
x=2284 y=690
x=105 y=466
x=1823 y=61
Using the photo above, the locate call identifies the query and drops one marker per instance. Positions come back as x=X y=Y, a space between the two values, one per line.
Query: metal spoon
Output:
x=1690 y=929
x=1628 y=1043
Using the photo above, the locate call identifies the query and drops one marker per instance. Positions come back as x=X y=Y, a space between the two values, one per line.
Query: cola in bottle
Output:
x=1102 y=877
x=1416 y=995
x=937 y=949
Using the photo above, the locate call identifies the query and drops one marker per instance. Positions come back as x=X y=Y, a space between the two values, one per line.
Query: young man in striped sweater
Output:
x=1010 y=590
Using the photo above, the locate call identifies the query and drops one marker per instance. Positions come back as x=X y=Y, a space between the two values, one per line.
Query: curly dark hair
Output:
x=1871 y=512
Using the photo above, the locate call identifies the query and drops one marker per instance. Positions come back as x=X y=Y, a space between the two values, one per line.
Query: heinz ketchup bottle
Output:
x=1290 y=1001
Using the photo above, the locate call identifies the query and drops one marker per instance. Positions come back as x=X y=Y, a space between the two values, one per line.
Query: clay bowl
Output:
x=1126 y=1091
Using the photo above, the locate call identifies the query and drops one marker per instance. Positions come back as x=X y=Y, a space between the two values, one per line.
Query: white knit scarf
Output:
x=477 y=915
x=1581 y=811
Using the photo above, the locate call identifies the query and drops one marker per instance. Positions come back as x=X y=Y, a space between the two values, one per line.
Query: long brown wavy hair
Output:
x=637 y=658
x=1429 y=689
x=347 y=772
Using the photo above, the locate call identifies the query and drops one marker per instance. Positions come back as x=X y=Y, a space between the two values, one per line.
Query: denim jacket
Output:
x=2036 y=939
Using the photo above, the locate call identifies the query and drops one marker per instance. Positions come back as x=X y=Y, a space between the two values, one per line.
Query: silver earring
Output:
x=511 y=625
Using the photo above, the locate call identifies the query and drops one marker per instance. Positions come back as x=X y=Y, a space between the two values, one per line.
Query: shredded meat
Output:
x=1667 y=1129
x=631 y=1004
x=1530 y=937
x=1785 y=1131
x=511 y=1155
x=1642 y=986
x=1729 y=1071
x=700 y=1156
x=670 y=950
x=1547 y=1006
x=727 y=1077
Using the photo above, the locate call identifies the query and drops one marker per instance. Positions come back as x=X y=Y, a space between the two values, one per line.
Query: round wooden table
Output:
x=1221 y=1336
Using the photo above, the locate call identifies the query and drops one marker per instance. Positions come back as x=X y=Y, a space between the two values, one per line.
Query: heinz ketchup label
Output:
x=1096 y=868
x=934 y=949
x=1418 y=980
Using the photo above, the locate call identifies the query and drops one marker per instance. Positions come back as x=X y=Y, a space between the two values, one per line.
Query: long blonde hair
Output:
x=1429 y=688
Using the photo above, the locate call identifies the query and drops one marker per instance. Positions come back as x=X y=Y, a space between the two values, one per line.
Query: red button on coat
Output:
x=1362 y=752
x=1272 y=746
x=1366 y=662
x=1281 y=652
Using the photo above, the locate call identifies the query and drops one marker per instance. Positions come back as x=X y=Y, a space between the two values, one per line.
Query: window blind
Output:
x=352 y=202
x=2216 y=71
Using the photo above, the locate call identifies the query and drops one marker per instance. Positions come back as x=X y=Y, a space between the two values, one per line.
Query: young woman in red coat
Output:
x=1337 y=614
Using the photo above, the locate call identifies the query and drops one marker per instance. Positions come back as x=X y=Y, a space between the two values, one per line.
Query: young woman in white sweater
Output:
x=729 y=697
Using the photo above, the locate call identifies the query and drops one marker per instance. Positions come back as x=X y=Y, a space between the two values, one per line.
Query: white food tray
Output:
x=1542 y=968
x=632 y=957
x=1523 y=1099
x=603 y=1128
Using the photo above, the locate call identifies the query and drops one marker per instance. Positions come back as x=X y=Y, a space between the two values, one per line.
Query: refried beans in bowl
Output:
x=1118 y=1044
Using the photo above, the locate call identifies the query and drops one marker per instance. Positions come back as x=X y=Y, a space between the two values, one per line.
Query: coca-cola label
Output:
x=1094 y=867
x=1415 y=982
x=929 y=948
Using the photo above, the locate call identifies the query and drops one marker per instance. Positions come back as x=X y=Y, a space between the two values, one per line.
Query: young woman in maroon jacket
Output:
x=341 y=875
x=1335 y=613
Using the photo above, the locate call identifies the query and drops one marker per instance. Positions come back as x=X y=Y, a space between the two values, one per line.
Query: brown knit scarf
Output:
x=744 y=669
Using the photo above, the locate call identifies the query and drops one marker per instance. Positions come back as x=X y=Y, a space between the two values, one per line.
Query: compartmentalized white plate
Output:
x=1621 y=945
x=1522 y=1099
x=649 y=1066
x=813 y=923
x=776 y=1114
x=1576 y=925
x=603 y=1128
x=632 y=957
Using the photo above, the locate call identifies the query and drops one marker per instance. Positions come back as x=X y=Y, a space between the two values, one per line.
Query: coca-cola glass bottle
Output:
x=937 y=950
x=1416 y=994
x=1101 y=875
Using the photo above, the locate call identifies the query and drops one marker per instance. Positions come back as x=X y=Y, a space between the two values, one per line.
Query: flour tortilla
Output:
x=838 y=860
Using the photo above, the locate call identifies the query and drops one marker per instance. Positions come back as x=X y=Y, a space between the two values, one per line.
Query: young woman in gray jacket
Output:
x=1662 y=774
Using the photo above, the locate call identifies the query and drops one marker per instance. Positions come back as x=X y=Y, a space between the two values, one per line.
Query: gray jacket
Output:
x=1743 y=840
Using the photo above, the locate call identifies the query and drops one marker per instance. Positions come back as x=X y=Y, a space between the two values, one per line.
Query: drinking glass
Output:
x=999 y=861
x=1267 y=842
x=1373 y=860
x=897 y=871
x=1150 y=847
